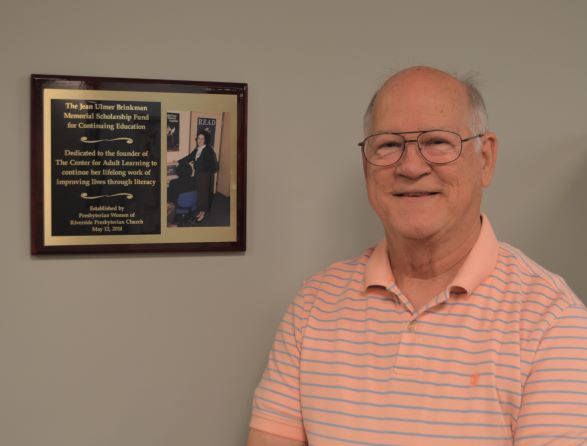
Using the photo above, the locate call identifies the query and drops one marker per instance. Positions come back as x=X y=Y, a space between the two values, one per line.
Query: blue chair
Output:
x=187 y=203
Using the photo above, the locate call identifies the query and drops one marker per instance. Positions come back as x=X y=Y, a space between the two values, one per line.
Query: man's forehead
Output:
x=423 y=82
x=423 y=93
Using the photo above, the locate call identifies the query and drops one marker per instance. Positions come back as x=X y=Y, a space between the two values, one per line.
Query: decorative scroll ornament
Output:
x=85 y=196
x=87 y=141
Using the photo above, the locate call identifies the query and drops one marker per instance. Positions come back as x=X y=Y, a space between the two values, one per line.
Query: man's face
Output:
x=416 y=200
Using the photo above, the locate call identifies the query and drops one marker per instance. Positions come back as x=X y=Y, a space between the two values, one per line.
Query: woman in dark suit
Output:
x=196 y=172
x=205 y=165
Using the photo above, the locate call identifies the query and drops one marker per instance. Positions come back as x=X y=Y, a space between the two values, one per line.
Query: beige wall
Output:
x=145 y=350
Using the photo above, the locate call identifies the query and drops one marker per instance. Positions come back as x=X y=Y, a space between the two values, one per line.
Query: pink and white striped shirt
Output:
x=498 y=358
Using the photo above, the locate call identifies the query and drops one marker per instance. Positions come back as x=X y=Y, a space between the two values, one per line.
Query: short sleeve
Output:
x=276 y=403
x=554 y=398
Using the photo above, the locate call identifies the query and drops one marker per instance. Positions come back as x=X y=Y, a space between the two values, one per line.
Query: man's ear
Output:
x=488 y=153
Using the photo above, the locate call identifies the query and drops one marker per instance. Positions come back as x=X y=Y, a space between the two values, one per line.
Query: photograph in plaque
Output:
x=137 y=165
x=198 y=188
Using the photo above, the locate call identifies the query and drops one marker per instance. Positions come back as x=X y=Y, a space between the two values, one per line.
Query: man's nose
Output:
x=412 y=164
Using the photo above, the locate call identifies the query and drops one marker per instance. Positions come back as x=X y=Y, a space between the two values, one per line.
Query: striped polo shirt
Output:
x=498 y=358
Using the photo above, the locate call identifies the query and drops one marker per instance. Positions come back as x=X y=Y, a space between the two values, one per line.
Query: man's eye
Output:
x=390 y=145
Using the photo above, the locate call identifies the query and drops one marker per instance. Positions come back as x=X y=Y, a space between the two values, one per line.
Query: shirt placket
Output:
x=408 y=358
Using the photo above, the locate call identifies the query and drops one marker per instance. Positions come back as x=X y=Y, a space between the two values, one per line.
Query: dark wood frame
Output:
x=40 y=82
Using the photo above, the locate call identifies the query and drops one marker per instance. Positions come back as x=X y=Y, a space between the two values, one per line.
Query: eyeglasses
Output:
x=435 y=146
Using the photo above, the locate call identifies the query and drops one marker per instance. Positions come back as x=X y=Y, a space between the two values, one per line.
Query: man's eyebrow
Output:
x=377 y=132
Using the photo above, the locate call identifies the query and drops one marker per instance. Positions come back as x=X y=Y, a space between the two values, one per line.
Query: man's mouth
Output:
x=414 y=194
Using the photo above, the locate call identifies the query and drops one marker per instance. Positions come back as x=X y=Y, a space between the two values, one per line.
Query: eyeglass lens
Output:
x=436 y=146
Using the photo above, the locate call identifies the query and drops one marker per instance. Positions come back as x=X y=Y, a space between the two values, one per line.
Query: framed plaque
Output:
x=137 y=165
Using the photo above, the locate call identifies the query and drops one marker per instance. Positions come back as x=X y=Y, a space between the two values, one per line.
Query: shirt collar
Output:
x=378 y=270
x=477 y=266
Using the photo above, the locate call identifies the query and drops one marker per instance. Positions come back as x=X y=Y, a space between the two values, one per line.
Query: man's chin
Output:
x=418 y=231
x=418 y=234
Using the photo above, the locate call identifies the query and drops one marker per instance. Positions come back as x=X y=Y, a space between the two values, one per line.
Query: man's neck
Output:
x=424 y=268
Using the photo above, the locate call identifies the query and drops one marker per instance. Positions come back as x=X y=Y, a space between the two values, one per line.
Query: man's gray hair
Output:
x=478 y=119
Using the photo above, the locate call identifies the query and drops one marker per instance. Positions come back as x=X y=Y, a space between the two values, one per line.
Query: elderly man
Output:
x=440 y=334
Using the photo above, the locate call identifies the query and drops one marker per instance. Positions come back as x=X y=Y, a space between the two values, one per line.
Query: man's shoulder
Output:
x=531 y=281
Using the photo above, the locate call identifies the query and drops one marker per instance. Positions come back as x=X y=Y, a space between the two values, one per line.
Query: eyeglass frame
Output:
x=406 y=141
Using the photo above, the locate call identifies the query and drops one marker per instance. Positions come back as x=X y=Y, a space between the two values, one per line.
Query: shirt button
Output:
x=412 y=326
